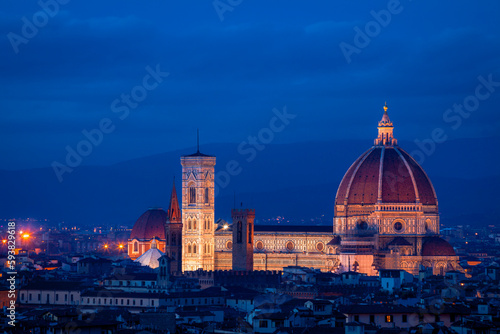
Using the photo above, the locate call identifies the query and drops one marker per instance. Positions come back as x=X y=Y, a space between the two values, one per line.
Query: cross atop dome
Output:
x=385 y=131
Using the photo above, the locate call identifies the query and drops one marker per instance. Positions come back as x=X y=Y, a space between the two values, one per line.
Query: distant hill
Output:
x=298 y=181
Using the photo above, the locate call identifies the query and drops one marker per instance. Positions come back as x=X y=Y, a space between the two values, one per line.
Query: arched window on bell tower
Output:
x=192 y=194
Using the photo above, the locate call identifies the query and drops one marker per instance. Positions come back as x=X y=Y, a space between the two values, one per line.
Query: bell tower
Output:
x=243 y=231
x=173 y=233
x=198 y=231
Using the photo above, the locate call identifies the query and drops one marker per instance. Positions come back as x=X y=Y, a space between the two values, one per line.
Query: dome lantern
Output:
x=385 y=131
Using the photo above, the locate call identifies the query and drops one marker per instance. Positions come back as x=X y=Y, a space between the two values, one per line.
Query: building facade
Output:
x=386 y=217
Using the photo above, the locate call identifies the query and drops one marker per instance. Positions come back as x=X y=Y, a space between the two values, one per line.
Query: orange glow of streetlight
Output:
x=106 y=246
x=26 y=236
x=4 y=241
x=121 y=246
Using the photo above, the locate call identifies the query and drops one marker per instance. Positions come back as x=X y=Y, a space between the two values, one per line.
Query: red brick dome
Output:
x=151 y=224
x=435 y=246
x=387 y=173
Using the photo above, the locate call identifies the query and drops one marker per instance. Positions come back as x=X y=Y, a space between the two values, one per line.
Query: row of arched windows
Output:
x=192 y=195
x=192 y=224
x=192 y=248
x=207 y=225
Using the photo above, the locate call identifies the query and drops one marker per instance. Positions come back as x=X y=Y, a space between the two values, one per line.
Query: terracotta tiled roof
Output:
x=388 y=172
x=399 y=241
x=151 y=224
x=435 y=246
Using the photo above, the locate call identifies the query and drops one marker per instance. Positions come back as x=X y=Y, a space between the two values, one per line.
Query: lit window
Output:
x=388 y=318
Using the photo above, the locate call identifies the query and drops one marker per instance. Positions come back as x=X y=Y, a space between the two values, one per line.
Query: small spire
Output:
x=385 y=108
x=174 y=212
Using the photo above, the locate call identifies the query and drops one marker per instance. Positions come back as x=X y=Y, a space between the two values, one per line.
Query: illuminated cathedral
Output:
x=386 y=217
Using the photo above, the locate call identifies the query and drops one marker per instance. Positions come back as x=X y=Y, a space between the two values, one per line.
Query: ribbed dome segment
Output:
x=387 y=174
x=435 y=246
x=150 y=225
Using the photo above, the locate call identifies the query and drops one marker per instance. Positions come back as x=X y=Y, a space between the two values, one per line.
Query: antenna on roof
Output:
x=198 y=141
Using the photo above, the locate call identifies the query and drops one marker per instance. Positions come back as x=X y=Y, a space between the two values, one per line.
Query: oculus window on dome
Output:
x=320 y=246
x=399 y=226
x=362 y=225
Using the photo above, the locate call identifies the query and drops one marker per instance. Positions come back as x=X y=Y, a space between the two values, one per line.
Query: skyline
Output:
x=227 y=77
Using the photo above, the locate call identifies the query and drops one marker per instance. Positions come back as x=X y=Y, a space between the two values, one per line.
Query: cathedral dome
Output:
x=435 y=246
x=150 y=225
x=385 y=174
